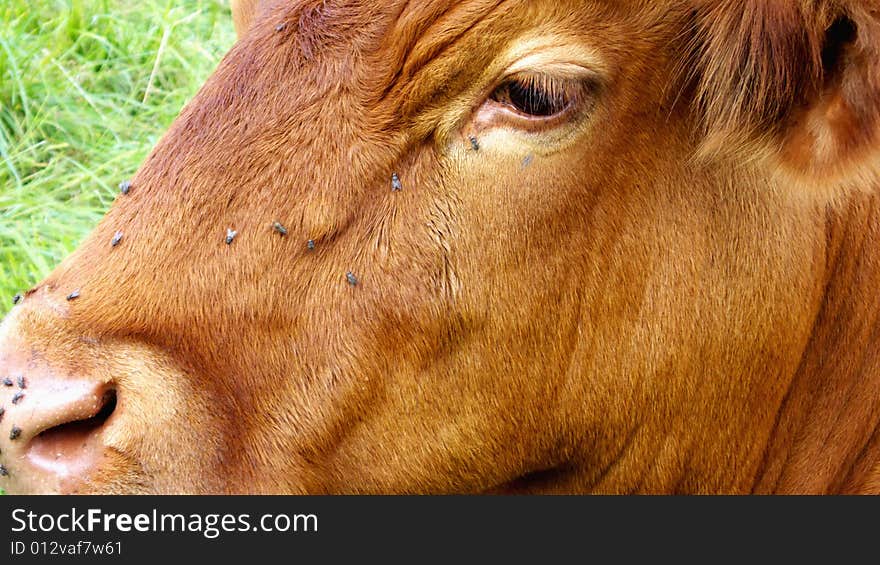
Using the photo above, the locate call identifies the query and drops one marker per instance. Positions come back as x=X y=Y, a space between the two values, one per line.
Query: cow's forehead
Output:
x=413 y=54
x=407 y=33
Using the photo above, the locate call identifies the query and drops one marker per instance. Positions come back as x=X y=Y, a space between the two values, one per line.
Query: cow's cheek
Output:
x=168 y=431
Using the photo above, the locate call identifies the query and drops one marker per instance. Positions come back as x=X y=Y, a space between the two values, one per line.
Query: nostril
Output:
x=72 y=446
x=82 y=427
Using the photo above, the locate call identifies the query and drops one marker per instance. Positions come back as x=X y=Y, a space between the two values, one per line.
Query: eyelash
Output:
x=538 y=96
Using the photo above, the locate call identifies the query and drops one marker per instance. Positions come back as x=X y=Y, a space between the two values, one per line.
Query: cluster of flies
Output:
x=15 y=431
x=231 y=234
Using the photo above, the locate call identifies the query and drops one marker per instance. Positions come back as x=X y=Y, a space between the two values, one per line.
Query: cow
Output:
x=481 y=246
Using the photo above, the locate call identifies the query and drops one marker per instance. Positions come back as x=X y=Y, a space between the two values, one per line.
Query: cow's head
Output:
x=457 y=246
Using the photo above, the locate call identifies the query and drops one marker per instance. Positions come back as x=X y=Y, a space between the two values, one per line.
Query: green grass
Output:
x=87 y=87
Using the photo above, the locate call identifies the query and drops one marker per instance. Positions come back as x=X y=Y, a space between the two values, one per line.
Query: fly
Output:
x=279 y=228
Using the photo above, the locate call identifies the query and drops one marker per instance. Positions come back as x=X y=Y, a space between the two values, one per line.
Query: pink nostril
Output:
x=55 y=402
x=72 y=447
x=52 y=431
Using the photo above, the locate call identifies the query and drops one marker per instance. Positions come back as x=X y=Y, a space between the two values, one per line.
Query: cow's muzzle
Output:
x=51 y=425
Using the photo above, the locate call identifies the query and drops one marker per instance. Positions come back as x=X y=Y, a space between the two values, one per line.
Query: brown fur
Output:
x=672 y=293
x=243 y=14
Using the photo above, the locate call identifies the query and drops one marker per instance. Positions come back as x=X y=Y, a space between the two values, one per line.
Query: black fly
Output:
x=117 y=239
x=352 y=280
x=3 y=471
x=311 y=245
x=73 y=295
x=16 y=299
x=16 y=398
x=279 y=228
x=125 y=186
x=15 y=433
x=7 y=382
x=22 y=383
x=396 y=185
x=230 y=235
x=474 y=143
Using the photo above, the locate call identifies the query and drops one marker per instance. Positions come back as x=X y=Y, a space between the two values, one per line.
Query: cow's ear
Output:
x=795 y=83
x=243 y=14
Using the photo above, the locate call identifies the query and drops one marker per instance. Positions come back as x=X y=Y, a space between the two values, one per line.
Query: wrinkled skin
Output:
x=666 y=289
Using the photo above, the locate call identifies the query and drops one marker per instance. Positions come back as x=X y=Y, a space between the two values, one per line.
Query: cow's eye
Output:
x=537 y=102
x=537 y=96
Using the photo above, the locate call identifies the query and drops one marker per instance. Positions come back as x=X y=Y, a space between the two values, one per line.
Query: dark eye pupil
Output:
x=534 y=101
